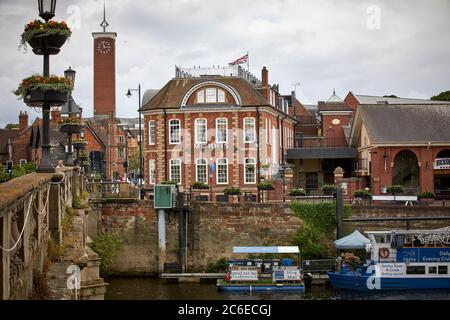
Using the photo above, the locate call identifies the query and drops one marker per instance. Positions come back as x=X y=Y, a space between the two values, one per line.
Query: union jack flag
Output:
x=241 y=60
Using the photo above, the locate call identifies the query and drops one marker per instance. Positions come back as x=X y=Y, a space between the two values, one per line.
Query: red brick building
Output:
x=404 y=144
x=236 y=123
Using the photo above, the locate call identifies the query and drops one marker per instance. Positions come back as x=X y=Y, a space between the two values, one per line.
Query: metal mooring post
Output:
x=162 y=240
x=340 y=212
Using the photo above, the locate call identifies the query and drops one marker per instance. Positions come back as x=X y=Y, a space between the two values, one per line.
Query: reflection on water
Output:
x=156 y=289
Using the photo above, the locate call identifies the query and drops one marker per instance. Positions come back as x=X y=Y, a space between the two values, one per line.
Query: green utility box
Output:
x=164 y=196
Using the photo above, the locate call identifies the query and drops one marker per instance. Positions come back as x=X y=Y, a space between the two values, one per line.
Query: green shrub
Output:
x=266 y=186
x=396 y=189
x=232 y=191
x=328 y=188
x=216 y=267
x=297 y=193
x=311 y=242
x=427 y=195
x=362 y=194
x=200 y=185
x=106 y=246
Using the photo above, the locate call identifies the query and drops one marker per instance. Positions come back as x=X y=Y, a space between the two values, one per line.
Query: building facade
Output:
x=223 y=131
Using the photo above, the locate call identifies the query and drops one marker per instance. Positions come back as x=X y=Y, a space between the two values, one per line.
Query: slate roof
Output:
x=171 y=95
x=407 y=124
x=366 y=99
x=333 y=106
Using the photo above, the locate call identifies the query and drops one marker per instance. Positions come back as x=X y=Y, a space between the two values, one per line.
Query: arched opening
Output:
x=406 y=171
x=442 y=174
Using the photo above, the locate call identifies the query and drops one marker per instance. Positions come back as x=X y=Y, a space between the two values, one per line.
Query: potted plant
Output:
x=266 y=186
x=36 y=90
x=395 y=189
x=70 y=125
x=232 y=191
x=200 y=186
x=298 y=192
x=328 y=189
x=427 y=197
x=265 y=167
x=45 y=37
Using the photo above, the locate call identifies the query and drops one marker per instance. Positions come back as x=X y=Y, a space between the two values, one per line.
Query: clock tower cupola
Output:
x=104 y=71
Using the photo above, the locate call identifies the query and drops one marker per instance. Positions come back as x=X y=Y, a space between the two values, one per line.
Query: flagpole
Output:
x=248 y=62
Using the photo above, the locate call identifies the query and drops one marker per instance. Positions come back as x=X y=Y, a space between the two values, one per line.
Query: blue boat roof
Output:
x=266 y=250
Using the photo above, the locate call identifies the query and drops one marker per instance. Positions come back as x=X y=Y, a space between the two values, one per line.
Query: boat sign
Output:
x=423 y=255
x=286 y=274
x=244 y=275
x=392 y=269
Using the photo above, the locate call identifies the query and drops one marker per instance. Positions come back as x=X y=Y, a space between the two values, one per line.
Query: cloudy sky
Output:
x=368 y=47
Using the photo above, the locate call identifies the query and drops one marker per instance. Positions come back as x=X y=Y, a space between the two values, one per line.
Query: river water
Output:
x=156 y=289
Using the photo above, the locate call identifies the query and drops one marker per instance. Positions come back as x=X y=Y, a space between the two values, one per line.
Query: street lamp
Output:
x=47 y=9
x=46 y=12
x=141 y=167
x=70 y=74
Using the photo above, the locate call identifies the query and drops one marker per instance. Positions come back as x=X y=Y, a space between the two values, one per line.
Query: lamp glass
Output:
x=70 y=74
x=47 y=9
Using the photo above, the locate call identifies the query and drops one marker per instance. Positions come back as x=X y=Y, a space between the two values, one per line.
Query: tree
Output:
x=12 y=126
x=443 y=96
x=133 y=161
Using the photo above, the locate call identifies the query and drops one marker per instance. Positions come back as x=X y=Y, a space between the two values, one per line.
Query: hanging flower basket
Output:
x=37 y=90
x=83 y=156
x=45 y=37
x=79 y=143
x=71 y=125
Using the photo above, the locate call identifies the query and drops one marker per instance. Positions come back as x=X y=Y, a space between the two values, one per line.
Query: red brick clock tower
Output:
x=104 y=72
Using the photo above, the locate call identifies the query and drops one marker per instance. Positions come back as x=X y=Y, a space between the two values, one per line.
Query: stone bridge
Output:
x=32 y=211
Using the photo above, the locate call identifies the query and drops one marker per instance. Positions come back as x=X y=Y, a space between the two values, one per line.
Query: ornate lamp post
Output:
x=141 y=167
x=46 y=12
x=70 y=74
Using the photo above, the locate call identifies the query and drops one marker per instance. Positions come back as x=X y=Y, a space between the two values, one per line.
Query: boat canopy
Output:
x=266 y=250
x=354 y=241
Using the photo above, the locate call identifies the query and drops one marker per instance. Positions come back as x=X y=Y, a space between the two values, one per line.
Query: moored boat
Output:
x=400 y=260
x=262 y=275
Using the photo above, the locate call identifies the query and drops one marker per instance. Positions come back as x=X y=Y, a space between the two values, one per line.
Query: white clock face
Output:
x=104 y=47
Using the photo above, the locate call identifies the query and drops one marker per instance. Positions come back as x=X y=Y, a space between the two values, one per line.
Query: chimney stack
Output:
x=56 y=115
x=23 y=120
x=265 y=83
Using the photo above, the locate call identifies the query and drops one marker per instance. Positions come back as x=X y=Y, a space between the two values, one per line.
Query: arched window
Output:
x=174 y=131
x=201 y=131
x=222 y=130
x=249 y=130
x=175 y=170
x=211 y=95
x=249 y=170
x=201 y=170
x=222 y=171
x=152 y=176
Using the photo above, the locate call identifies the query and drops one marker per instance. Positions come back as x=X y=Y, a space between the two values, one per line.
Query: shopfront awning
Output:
x=266 y=250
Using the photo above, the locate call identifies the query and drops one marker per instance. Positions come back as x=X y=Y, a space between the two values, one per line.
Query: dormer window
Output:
x=211 y=95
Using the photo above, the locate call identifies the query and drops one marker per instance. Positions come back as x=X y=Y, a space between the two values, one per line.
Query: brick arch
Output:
x=416 y=153
x=406 y=171
x=230 y=90
x=441 y=150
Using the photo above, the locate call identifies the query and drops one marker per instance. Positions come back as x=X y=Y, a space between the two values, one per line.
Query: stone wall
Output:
x=212 y=231
x=377 y=212
x=214 y=228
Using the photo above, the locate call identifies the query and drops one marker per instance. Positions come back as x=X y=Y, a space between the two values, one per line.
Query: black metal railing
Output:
x=318 y=142
x=319 y=266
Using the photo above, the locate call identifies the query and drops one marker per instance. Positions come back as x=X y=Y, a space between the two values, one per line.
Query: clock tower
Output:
x=104 y=72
